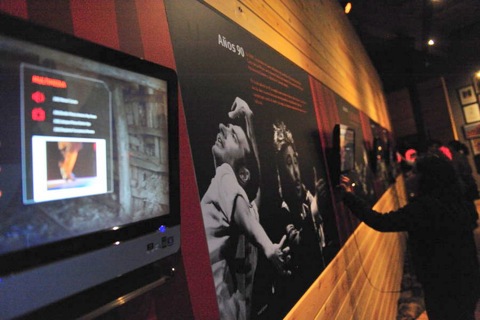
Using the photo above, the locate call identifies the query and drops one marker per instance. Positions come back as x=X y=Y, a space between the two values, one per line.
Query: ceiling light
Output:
x=348 y=7
x=431 y=42
x=478 y=74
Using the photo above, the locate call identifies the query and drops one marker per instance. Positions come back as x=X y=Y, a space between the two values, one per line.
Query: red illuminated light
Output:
x=446 y=152
x=45 y=81
x=411 y=155
x=38 y=97
x=38 y=114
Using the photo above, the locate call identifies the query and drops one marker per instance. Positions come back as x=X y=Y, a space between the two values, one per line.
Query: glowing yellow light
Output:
x=348 y=7
x=477 y=74
x=431 y=42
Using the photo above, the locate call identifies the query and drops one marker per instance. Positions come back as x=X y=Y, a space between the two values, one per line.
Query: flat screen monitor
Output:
x=343 y=155
x=347 y=149
x=89 y=185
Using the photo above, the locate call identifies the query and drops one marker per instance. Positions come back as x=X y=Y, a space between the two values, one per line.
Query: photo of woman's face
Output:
x=291 y=179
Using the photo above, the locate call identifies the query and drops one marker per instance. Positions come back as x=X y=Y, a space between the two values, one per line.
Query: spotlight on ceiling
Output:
x=348 y=7
x=431 y=42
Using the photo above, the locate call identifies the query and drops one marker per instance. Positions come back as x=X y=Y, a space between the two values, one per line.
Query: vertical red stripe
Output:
x=157 y=45
x=367 y=131
x=16 y=8
x=194 y=242
x=324 y=124
x=95 y=21
x=128 y=28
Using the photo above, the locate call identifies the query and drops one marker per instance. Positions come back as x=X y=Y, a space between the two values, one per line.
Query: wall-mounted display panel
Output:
x=237 y=90
x=259 y=151
x=89 y=166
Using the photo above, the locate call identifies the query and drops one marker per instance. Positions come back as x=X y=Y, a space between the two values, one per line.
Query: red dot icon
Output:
x=38 y=114
x=38 y=97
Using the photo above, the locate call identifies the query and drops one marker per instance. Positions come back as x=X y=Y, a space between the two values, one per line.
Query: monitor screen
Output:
x=347 y=149
x=88 y=146
x=342 y=155
x=88 y=143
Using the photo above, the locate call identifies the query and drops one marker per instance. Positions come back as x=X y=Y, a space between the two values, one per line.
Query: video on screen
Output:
x=75 y=167
x=90 y=141
x=347 y=149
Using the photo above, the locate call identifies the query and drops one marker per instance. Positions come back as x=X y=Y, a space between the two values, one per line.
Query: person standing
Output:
x=440 y=233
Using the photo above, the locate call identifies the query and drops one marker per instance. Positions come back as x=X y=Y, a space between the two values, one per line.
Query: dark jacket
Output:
x=440 y=238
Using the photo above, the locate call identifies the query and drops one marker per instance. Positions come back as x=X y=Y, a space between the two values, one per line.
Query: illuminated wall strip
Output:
x=449 y=108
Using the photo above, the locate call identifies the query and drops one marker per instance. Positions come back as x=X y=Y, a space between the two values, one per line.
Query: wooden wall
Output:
x=363 y=279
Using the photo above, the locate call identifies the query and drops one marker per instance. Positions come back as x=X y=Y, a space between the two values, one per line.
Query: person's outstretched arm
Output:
x=400 y=220
x=240 y=108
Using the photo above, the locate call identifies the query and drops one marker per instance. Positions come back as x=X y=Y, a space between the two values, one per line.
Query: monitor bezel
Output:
x=25 y=259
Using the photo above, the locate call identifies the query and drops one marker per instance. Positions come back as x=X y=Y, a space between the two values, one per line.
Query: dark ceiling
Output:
x=395 y=33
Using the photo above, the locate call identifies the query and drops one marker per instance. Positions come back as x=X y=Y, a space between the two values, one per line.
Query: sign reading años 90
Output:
x=266 y=208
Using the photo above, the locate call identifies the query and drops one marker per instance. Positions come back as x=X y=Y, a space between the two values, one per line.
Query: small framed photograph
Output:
x=467 y=95
x=471 y=112
x=475 y=146
x=472 y=130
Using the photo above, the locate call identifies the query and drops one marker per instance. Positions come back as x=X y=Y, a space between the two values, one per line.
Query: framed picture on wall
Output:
x=471 y=112
x=472 y=130
x=467 y=95
x=475 y=146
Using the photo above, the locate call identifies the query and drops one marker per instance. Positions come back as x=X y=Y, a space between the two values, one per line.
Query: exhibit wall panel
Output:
x=317 y=36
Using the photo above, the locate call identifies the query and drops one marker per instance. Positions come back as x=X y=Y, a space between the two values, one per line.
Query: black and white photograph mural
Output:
x=264 y=194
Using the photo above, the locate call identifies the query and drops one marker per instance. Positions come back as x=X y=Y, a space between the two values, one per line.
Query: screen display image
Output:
x=347 y=149
x=61 y=175
x=71 y=111
x=93 y=151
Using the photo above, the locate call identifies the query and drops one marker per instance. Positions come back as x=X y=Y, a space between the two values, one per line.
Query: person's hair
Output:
x=251 y=163
x=433 y=143
x=437 y=177
x=458 y=146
